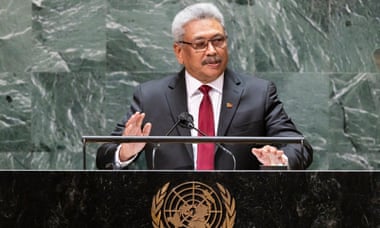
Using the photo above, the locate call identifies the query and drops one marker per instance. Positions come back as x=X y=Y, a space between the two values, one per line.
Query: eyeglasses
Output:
x=202 y=44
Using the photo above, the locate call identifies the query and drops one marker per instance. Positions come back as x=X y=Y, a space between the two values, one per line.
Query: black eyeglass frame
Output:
x=222 y=39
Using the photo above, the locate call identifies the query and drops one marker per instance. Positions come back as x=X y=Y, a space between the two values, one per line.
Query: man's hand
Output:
x=133 y=128
x=269 y=155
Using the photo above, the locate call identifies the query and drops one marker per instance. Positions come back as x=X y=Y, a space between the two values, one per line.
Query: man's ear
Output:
x=178 y=52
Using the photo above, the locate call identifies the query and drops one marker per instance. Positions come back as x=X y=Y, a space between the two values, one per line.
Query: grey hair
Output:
x=194 y=12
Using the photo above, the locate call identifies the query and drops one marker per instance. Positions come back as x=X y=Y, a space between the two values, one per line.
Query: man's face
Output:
x=208 y=63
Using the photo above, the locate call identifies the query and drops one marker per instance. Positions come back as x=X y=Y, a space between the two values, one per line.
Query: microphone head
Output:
x=186 y=120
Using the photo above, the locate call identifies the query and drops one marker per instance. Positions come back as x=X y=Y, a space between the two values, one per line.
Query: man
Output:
x=236 y=105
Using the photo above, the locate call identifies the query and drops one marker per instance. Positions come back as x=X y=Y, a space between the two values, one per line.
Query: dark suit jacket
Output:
x=256 y=111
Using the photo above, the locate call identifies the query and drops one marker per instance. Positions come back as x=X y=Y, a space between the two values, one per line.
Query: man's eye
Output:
x=200 y=43
x=218 y=40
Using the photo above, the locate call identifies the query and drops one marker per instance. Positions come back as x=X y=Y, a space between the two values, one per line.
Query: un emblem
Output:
x=193 y=205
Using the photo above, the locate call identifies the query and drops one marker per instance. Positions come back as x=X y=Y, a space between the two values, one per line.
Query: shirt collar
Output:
x=192 y=84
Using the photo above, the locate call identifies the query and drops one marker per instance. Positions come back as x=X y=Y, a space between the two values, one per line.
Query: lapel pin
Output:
x=229 y=105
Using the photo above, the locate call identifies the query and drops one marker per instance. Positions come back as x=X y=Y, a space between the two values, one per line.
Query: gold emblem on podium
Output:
x=193 y=205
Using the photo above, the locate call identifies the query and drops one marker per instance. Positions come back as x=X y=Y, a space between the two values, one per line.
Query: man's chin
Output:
x=211 y=75
x=214 y=70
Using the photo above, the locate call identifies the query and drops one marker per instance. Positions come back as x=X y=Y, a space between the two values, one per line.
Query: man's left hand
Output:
x=269 y=155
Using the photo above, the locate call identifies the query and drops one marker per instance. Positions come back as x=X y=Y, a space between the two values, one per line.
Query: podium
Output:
x=181 y=199
x=189 y=139
x=187 y=198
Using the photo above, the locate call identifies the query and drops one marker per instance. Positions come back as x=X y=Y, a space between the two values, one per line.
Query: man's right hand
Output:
x=133 y=128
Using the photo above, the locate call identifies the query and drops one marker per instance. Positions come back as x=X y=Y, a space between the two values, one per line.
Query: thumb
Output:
x=257 y=152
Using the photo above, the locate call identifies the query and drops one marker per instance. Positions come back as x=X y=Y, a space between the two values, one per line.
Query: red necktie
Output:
x=205 y=155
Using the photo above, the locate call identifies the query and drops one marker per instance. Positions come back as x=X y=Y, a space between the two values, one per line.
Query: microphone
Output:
x=157 y=145
x=186 y=120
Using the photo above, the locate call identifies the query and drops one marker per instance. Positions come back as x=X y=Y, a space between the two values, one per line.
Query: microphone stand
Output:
x=186 y=121
x=157 y=145
x=221 y=147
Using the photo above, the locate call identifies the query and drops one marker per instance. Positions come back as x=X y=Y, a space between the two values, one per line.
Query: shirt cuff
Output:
x=121 y=164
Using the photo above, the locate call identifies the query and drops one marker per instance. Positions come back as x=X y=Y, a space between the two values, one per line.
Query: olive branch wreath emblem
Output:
x=159 y=198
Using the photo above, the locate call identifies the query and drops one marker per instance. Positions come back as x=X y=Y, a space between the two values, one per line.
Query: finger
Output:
x=131 y=119
x=284 y=160
x=140 y=119
x=275 y=156
x=128 y=129
x=130 y=126
x=269 y=150
x=262 y=155
x=258 y=155
x=255 y=150
x=273 y=150
x=278 y=157
x=266 y=148
x=279 y=154
x=146 y=129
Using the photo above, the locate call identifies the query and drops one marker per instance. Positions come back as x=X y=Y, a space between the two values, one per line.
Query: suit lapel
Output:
x=232 y=90
x=177 y=101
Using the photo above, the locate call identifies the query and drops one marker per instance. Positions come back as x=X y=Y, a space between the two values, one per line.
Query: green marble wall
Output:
x=68 y=68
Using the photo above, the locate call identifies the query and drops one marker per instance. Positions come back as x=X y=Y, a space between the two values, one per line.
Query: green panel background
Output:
x=68 y=68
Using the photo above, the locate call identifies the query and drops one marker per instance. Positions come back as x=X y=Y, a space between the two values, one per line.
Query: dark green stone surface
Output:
x=68 y=68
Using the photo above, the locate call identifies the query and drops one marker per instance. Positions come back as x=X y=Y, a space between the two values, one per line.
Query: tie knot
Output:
x=205 y=89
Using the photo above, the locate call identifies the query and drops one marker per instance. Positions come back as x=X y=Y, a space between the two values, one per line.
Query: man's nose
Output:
x=210 y=48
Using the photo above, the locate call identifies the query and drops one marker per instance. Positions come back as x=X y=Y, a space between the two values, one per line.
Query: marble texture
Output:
x=74 y=103
x=16 y=42
x=69 y=36
x=354 y=119
x=354 y=35
x=68 y=68
x=15 y=103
